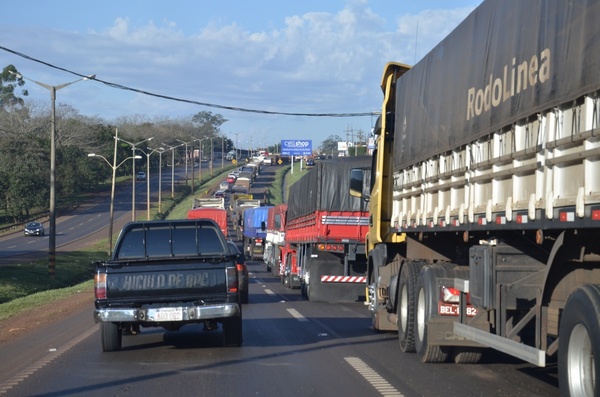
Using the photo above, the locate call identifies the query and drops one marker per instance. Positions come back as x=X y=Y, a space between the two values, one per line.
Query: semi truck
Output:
x=485 y=193
x=326 y=227
x=275 y=237
x=254 y=232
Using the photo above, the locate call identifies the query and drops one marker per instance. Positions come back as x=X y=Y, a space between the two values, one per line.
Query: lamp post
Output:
x=186 y=161
x=51 y=210
x=172 y=149
x=112 y=191
x=211 y=155
x=160 y=152
x=148 y=153
x=133 y=147
x=200 y=159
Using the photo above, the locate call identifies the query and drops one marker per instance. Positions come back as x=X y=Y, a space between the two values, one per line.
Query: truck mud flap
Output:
x=325 y=286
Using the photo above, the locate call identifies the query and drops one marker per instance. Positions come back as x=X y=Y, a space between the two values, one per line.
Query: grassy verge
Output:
x=26 y=285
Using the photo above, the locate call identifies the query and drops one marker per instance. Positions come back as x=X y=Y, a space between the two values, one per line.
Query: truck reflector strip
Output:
x=343 y=279
x=567 y=217
x=521 y=218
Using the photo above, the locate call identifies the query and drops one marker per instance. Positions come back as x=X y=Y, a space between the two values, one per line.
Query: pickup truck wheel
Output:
x=232 y=331
x=112 y=336
x=245 y=296
x=578 y=343
x=406 y=305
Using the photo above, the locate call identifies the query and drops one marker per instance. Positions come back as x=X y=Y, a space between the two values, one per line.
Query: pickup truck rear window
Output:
x=166 y=239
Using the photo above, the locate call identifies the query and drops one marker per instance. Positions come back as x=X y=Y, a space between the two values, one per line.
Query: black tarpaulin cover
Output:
x=326 y=187
x=507 y=60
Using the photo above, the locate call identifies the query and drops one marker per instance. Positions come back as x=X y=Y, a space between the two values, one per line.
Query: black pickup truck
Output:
x=168 y=274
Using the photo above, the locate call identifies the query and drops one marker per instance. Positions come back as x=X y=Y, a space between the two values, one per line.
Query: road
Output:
x=291 y=347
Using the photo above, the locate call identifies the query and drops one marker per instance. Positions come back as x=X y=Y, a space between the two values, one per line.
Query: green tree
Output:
x=209 y=124
x=330 y=145
x=8 y=84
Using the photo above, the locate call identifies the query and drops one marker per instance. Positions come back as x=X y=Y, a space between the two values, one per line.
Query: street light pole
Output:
x=148 y=153
x=112 y=191
x=133 y=147
x=52 y=205
x=172 y=148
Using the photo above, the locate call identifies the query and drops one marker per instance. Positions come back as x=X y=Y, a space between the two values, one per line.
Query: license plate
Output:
x=449 y=309
x=165 y=314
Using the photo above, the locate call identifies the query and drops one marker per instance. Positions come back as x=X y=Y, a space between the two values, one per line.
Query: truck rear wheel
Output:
x=406 y=305
x=578 y=344
x=425 y=305
x=232 y=331
x=112 y=336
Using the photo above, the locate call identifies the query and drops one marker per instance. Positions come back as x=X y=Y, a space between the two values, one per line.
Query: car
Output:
x=225 y=186
x=140 y=176
x=242 y=271
x=220 y=194
x=34 y=229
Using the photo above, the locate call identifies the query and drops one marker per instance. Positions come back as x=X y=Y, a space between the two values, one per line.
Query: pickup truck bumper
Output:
x=167 y=314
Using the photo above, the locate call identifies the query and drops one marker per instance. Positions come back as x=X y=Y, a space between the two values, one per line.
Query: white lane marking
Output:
x=297 y=315
x=380 y=384
x=41 y=363
x=269 y=292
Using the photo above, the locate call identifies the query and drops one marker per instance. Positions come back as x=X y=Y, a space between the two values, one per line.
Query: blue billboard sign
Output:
x=296 y=147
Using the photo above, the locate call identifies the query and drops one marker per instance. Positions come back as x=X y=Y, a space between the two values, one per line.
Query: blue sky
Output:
x=279 y=56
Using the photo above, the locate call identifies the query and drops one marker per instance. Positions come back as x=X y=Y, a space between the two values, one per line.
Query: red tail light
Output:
x=100 y=285
x=232 y=279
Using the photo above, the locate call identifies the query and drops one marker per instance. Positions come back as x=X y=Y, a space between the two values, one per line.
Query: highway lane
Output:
x=291 y=347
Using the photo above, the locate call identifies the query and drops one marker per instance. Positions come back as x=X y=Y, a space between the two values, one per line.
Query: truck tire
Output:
x=232 y=331
x=406 y=305
x=112 y=336
x=425 y=306
x=466 y=355
x=578 y=343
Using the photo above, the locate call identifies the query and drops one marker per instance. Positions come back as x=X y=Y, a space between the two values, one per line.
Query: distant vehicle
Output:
x=140 y=176
x=34 y=229
x=310 y=162
x=219 y=194
x=224 y=186
x=231 y=178
x=242 y=272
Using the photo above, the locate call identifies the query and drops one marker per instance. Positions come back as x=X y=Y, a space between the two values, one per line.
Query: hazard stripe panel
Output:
x=343 y=279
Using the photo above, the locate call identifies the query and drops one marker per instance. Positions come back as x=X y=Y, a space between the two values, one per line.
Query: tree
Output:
x=8 y=83
x=209 y=124
x=330 y=145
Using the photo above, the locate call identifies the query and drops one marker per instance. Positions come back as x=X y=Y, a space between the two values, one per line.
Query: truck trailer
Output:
x=327 y=228
x=255 y=231
x=485 y=192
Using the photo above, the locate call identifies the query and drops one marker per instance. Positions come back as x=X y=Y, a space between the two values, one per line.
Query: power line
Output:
x=170 y=98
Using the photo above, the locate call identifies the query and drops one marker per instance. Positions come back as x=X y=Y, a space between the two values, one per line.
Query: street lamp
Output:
x=112 y=191
x=160 y=152
x=51 y=210
x=200 y=159
x=172 y=148
x=186 y=162
x=148 y=154
x=133 y=147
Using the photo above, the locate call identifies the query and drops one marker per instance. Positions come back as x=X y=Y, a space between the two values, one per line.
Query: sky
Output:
x=295 y=57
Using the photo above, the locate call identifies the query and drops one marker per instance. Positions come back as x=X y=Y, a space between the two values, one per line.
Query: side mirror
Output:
x=357 y=176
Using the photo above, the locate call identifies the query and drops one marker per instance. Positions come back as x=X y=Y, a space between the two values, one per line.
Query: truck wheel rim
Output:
x=421 y=315
x=403 y=309
x=580 y=362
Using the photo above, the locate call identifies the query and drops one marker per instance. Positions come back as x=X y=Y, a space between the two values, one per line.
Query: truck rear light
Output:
x=100 y=285
x=596 y=215
x=232 y=279
x=450 y=295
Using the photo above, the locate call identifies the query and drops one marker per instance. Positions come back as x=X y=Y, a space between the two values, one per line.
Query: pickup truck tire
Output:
x=578 y=344
x=112 y=336
x=232 y=331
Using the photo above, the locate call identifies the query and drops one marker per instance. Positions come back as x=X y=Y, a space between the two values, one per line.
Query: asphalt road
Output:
x=291 y=347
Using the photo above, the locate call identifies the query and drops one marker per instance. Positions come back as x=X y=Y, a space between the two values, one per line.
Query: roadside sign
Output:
x=296 y=147
x=234 y=161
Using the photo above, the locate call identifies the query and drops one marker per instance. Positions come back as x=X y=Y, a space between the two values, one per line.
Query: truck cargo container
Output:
x=327 y=227
x=485 y=195
x=255 y=232
x=218 y=215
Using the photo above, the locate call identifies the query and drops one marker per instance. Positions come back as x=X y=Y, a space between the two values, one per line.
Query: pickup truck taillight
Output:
x=232 y=279
x=100 y=285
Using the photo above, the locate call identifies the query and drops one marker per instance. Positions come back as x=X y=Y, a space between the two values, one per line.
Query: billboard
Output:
x=296 y=147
